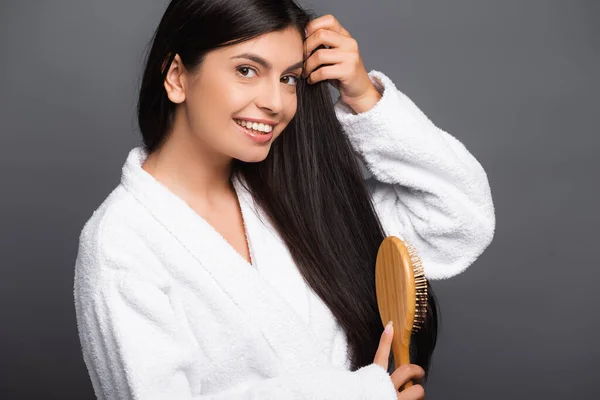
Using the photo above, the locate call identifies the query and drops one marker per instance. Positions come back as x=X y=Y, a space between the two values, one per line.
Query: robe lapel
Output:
x=272 y=265
x=290 y=338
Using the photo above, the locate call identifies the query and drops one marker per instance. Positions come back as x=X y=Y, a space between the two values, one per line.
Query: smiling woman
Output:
x=237 y=255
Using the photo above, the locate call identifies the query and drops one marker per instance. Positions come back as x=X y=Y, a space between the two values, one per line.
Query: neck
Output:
x=190 y=169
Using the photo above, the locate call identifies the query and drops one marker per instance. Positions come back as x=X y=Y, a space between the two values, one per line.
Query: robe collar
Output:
x=291 y=339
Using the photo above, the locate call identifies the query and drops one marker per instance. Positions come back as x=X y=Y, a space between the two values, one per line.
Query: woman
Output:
x=236 y=257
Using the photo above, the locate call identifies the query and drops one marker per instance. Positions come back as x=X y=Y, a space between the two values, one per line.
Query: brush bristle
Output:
x=420 y=287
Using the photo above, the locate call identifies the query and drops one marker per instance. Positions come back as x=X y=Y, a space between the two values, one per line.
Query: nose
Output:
x=270 y=97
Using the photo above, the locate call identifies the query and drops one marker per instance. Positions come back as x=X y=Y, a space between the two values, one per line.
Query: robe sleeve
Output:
x=136 y=346
x=427 y=188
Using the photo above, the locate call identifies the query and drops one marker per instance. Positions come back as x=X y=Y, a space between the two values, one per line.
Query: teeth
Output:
x=263 y=128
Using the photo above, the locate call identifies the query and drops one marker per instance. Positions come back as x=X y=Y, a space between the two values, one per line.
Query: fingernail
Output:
x=388 y=327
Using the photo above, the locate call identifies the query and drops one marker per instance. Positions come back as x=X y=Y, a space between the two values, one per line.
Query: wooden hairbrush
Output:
x=401 y=294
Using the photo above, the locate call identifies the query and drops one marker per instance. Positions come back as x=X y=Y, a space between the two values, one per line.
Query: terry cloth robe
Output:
x=167 y=309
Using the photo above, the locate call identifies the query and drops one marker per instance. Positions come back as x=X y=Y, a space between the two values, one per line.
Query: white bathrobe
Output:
x=167 y=309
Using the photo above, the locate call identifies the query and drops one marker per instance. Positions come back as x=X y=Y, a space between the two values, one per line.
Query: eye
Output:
x=293 y=77
x=243 y=69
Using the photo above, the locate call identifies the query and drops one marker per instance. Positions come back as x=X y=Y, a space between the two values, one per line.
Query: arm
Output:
x=426 y=186
x=135 y=346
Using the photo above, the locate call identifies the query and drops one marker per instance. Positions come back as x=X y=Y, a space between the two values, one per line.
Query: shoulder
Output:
x=113 y=240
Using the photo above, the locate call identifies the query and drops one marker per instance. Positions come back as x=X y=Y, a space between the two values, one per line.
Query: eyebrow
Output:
x=266 y=64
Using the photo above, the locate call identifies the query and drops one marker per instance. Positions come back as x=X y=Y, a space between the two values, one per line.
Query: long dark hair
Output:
x=310 y=185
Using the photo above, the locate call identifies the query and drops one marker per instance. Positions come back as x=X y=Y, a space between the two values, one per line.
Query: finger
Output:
x=415 y=392
x=418 y=376
x=328 y=38
x=383 y=351
x=337 y=71
x=407 y=372
x=327 y=22
x=323 y=57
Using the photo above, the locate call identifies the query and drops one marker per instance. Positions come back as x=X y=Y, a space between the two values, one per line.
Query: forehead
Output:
x=281 y=48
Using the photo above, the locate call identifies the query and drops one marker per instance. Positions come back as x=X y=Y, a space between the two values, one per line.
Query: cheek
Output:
x=211 y=107
x=290 y=110
x=236 y=99
x=292 y=106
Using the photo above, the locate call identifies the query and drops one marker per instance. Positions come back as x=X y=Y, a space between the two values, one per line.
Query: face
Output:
x=248 y=82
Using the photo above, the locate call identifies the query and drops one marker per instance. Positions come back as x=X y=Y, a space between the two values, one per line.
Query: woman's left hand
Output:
x=343 y=66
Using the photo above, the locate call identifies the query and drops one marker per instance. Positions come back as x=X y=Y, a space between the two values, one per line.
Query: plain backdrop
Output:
x=517 y=82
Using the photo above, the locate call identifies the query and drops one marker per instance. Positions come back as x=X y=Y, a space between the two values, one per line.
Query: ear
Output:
x=175 y=81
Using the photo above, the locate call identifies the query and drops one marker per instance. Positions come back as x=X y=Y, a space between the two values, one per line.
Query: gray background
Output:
x=515 y=81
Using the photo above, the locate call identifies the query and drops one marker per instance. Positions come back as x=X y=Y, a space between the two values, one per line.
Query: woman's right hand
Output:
x=403 y=373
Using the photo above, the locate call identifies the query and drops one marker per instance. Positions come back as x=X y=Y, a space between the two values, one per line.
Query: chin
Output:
x=253 y=157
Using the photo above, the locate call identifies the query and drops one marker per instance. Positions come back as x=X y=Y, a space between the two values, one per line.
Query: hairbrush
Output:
x=401 y=290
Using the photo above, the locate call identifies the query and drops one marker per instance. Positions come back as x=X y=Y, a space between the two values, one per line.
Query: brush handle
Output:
x=401 y=347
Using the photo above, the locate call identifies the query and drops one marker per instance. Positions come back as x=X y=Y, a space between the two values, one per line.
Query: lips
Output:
x=256 y=136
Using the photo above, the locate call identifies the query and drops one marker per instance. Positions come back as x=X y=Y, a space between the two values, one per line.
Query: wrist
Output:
x=365 y=102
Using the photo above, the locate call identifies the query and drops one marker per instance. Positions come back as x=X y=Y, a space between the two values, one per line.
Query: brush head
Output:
x=420 y=287
x=401 y=292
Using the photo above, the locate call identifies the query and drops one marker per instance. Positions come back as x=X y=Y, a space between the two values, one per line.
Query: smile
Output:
x=258 y=127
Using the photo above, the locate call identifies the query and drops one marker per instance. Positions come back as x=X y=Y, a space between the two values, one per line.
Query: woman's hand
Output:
x=343 y=66
x=403 y=373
